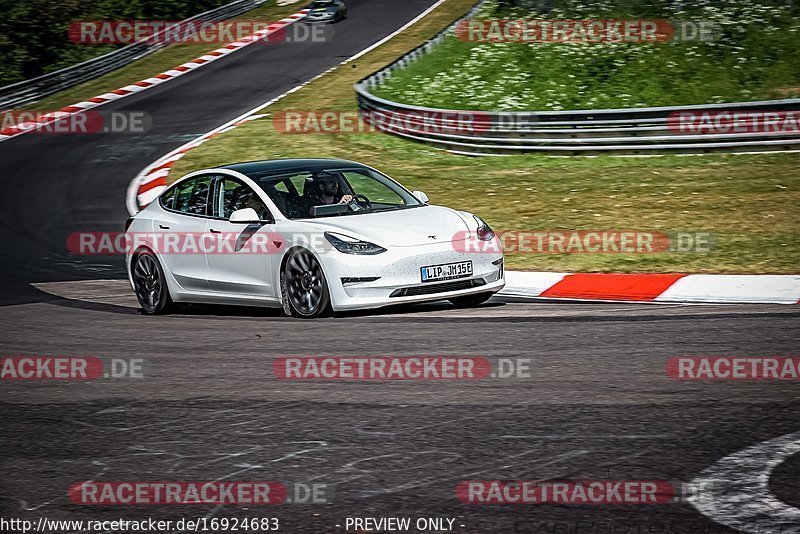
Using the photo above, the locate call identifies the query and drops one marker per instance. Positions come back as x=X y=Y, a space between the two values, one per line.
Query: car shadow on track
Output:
x=248 y=311
x=230 y=311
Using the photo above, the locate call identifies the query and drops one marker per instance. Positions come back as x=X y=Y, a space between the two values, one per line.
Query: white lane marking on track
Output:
x=133 y=188
x=735 y=490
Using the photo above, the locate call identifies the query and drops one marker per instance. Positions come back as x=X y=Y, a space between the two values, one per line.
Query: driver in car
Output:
x=325 y=190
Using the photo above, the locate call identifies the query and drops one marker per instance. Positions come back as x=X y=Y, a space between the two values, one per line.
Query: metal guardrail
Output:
x=580 y=132
x=27 y=91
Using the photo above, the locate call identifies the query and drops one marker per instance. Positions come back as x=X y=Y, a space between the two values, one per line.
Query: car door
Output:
x=179 y=225
x=239 y=263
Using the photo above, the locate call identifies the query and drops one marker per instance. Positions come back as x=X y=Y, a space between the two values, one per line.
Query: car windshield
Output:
x=309 y=194
x=322 y=3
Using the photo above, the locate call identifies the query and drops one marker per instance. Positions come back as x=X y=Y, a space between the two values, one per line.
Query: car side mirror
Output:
x=422 y=197
x=244 y=215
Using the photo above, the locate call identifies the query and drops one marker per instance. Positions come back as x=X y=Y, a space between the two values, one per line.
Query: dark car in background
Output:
x=326 y=11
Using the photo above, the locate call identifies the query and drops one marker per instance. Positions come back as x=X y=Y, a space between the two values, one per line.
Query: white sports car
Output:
x=307 y=235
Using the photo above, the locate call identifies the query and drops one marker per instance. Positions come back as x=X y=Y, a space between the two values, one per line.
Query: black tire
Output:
x=304 y=290
x=470 y=301
x=150 y=284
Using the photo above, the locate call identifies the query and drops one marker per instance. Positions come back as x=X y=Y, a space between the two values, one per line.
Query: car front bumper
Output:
x=327 y=17
x=393 y=277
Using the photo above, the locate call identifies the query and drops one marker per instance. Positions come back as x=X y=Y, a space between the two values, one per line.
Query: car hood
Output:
x=402 y=228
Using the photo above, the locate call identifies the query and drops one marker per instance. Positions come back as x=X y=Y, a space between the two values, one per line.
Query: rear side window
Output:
x=168 y=199
x=192 y=196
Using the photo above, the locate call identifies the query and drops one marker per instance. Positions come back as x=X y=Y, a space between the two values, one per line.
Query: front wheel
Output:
x=470 y=301
x=151 y=285
x=303 y=287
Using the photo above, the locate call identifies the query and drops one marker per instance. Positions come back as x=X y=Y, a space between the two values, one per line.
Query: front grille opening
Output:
x=429 y=289
x=499 y=263
x=352 y=280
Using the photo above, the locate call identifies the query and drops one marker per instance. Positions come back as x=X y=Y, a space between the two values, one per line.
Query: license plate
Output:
x=446 y=271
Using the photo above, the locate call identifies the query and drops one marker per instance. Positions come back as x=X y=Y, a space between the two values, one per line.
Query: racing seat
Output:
x=280 y=198
x=295 y=207
x=197 y=203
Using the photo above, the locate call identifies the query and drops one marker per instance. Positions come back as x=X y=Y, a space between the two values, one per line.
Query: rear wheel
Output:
x=151 y=285
x=304 y=290
x=470 y=301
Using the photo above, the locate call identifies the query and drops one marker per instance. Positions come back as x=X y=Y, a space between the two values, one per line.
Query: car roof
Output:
x=260 y=168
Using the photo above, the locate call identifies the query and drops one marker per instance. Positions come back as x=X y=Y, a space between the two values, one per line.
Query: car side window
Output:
x=192 y=196
x=234 y=195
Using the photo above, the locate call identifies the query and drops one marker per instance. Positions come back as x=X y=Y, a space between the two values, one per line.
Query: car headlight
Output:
x=485 y=233
x=350 y=245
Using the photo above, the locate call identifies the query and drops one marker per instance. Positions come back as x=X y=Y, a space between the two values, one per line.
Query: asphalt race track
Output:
x=597 y=406
x=598 y=403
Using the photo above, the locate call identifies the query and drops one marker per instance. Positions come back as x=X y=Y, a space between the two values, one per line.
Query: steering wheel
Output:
x=361 y=199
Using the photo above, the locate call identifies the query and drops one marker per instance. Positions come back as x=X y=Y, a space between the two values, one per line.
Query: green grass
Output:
x=748 y=202
x=754 y=57
x=155 y=63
